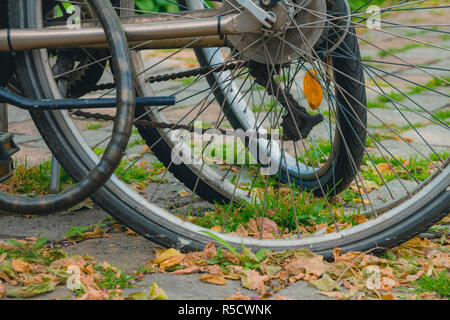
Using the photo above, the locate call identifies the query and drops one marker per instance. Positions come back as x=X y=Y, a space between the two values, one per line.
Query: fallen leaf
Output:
x=313 y=266
x=170 y=262
x=214 y=279
x=384 y=168
x=324 y=284
x=156 y=293
x=388 y=296
x=238 y=296
x=187 y=270
x=184 y=193
x=216 y=228
x=165 y=254
x=137 y=296
x=387 y=284
x=31 y=291
x=21 y=266
x=252 y=280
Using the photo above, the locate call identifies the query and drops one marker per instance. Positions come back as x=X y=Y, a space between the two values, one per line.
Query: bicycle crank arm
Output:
x=53 y=38
x=65 y=104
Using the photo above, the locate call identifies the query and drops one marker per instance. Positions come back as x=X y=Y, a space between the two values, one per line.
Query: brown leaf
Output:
x=184 y=193
x=388 y=283
x=252 y=280
x=240 y=231
x=388 y=296
x=313 y=266
x=214 y=269
x=214 y=279
x=238 y=296
x=97 y=233
x=21 y=266
x=187 y=270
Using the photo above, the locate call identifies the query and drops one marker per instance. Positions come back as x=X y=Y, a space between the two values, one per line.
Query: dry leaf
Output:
x=214 y=279
x=187 y=270
x=252 y=280
x=238 y=296
x=156 y=293
x=312 y=266
x=164 y=254
x=184 y=193
x=384 y=168
x=216 y=228
x=21 y=266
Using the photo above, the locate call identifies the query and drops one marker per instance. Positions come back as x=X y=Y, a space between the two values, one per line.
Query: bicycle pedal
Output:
x=7 y=148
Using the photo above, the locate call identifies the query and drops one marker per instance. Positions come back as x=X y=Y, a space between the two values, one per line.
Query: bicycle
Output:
x=286 y=83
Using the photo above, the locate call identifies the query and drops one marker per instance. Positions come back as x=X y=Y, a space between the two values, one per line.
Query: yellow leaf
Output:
x=156 y=293
x=388 y=296
x=214 y=279
x=174 y=260
x=164 y=254
x=216 y=228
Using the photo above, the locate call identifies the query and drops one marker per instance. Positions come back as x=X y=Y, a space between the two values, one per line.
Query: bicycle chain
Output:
x=165 y=77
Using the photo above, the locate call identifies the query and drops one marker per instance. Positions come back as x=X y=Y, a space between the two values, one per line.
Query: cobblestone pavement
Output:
x=128 y=251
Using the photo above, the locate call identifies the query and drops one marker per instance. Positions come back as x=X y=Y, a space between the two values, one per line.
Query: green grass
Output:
x=439 y=284
x=406 y=47
x=316 y=154
x=136 y=142
x=35 y=180
x=94 y=126
x=187 y=81
x=138 y=173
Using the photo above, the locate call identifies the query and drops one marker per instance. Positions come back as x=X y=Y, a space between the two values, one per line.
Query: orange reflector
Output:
x=312 y=89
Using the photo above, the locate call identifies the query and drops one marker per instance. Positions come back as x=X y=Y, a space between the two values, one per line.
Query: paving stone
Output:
x=17 y=115
x=395 y=187
x=405 y=150
x=433 y=134
x=375 y=117
x=25 y=139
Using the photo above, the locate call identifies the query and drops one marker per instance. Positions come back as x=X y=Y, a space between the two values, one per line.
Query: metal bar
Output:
x=27 y=39
x=55 y=177
x=3 y=117
x=194 y=42
x=64 y=104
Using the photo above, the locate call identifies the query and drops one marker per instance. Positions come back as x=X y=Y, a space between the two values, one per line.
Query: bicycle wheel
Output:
x=95 y=178
x=232 y=92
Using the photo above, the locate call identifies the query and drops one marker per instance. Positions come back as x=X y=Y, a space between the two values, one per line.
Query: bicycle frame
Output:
x=146 y=32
